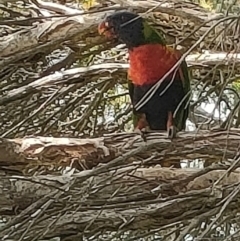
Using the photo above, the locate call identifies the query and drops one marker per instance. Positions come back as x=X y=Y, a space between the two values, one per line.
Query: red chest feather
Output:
x=149 y=63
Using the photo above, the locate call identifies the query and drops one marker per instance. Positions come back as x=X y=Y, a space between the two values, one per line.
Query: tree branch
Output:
x=93 y=72
x=49 y=34
x=108 y=201
x=117 y=180
x=42 y=153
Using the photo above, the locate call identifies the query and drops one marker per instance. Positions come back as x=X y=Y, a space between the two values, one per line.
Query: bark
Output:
x=42 y=38
x=50 y=33
x=120 y=191
x=116 y=183
x=31 y=153
x=125 y=199
x=87 y=74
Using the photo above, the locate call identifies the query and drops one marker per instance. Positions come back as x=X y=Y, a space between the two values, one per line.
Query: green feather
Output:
x=183 y=110
x=135 y=117
x=152 y=35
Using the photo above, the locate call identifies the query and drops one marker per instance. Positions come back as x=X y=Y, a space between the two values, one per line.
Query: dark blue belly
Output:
x=158 y=106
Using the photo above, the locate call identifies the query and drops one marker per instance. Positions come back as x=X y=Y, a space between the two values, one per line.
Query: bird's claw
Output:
x=142 y=133
x=172 y=132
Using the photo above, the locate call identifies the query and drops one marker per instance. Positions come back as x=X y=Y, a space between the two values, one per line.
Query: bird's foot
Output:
x=142 y=133
x=172 y=132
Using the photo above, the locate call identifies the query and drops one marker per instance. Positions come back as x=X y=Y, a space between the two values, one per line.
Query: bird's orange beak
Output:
x=105 y=30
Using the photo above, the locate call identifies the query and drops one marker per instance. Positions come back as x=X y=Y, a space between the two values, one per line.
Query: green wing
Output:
x=135 y=117
x=152 y=35
x=183 y=110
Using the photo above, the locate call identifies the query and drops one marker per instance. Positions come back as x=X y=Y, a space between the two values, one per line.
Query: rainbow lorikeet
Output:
x=149 y=60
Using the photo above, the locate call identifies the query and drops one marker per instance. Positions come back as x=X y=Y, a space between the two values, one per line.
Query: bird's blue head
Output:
x=125 y=27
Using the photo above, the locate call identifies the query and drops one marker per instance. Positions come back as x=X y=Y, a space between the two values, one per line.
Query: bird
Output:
x=150 y=59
